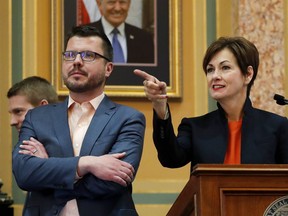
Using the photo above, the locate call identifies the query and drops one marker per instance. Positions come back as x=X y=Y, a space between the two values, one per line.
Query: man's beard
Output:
x=92 y=84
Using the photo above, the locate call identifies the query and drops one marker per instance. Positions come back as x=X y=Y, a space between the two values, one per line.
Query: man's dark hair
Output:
x=35 y=89
x=88 y=31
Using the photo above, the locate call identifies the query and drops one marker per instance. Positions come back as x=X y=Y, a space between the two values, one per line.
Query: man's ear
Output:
x=98 y=2
x=43 y=102
x=108 y=68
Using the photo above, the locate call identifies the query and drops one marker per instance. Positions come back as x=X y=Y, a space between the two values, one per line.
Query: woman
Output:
x=235 y=133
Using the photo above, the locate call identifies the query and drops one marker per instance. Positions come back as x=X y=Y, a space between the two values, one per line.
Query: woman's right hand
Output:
x=156 y=92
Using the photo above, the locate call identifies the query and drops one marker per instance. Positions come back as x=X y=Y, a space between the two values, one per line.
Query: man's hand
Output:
x=107 y=167
x=33 y=147
x=156 y=91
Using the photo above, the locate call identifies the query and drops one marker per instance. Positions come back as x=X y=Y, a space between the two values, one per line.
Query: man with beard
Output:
x=92 y=158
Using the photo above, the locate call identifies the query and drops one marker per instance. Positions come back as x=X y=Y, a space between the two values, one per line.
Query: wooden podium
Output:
x=232 y=190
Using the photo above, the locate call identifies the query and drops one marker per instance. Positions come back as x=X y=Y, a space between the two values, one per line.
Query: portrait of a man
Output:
x=147 y=38
x=131 y=43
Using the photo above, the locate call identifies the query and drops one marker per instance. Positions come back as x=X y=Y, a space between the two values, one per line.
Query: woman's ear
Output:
x=249 y=75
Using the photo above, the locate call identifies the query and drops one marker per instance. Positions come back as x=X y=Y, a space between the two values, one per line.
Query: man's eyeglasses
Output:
x=87 y=56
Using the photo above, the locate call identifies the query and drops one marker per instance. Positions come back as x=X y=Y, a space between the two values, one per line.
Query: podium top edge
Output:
x=242 y=168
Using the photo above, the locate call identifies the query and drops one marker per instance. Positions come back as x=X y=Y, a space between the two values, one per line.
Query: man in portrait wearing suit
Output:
x=137 y=45
x=93 y=145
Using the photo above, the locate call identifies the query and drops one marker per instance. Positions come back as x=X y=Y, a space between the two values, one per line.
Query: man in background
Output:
x=25 y=95
x=130 y=43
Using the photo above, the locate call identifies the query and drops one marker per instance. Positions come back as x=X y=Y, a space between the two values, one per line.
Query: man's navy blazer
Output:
x=204 y=139
x=114 y=128
x=140 y=43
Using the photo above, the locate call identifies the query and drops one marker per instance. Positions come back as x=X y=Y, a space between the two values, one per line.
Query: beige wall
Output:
x=5 y=61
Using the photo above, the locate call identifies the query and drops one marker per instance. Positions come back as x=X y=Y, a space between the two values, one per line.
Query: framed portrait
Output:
x=159 y=18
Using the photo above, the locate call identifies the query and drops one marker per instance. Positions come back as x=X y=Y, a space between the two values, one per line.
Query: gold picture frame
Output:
x=168 y=51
